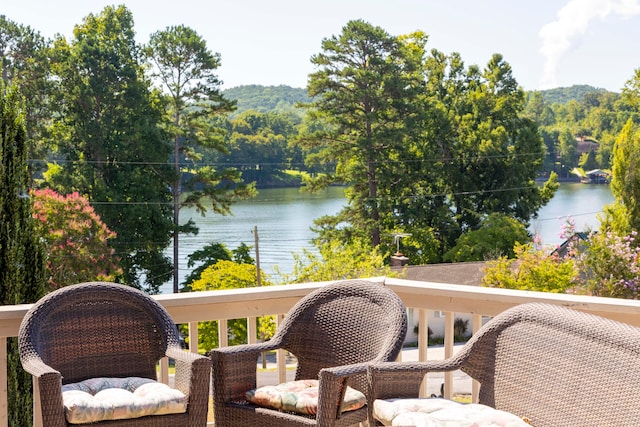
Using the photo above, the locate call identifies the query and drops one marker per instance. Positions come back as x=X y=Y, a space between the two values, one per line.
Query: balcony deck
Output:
x=190 y=308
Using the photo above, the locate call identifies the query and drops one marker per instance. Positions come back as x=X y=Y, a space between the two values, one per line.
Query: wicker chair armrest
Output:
x=191 y=368
x=235 y=370
x=36 y=367
x=403 y=379
x=193 y=377
x=333 y=383
x=50 y=387
x=341 y=373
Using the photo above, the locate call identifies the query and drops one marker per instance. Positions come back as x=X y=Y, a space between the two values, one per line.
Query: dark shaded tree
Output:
x=24 y=63
x=21 y=257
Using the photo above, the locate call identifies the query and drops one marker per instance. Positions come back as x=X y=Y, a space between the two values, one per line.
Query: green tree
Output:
x=567 y=149
x=496 y=236
x=259 y=146
x=76 y=239
x=631 y=91
x=266 y=99
x=337 y=261
x=538 y=109
x=588 y=161
x=25 y=64
x=112 y=149
x=491 y=154
x=623 y=215
x=226 y=274
x=21 y=256
x=532 y=270
x=426 y=145
x=209 y=255
x=360 y=92
x=186 y=68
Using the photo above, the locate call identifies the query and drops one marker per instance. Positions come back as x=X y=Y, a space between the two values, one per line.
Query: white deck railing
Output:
x=190 y=308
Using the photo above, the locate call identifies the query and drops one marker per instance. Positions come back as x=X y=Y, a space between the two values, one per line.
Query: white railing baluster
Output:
x=223 y=334
x=448 y=352
x=252 y=330
x=476 y=324
x=423 y=344
x=193 y=337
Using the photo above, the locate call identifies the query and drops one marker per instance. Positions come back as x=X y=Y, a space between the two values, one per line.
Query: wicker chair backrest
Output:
x=97 y=330
x=558 y=367
x=344 y=323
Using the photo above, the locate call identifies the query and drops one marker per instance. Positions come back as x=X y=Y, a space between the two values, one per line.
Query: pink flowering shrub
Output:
x=75 y=237
x=603 y=264
x=609 y=265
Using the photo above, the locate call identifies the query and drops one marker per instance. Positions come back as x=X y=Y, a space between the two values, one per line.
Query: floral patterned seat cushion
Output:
x=437 y=412
x=300 y=396
x=101 y=399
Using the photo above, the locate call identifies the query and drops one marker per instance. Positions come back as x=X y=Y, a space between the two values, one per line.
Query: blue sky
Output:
x=549 y=43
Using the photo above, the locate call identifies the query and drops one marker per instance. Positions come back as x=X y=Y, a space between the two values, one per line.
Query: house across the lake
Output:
x=596 y=176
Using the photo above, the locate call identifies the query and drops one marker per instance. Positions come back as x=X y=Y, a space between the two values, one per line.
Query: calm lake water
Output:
x=582 y=202
x=284 y=217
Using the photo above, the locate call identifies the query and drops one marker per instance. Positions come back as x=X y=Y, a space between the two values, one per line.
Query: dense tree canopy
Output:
x=425 y=145
x=24 y=63
x=110 y=144
x=259 y=146
x=267 y=99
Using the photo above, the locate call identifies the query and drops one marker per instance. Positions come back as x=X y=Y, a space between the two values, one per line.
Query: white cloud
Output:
x=559 y=36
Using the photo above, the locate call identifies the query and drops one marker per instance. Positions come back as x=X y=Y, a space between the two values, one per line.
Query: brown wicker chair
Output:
x=556 y=366
x=334 y=331
x=98 y=329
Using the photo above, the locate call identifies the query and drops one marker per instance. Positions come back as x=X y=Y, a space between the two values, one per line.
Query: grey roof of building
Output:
x=457 y=273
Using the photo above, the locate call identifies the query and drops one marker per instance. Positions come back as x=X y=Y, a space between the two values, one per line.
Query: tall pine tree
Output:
x=21 y=257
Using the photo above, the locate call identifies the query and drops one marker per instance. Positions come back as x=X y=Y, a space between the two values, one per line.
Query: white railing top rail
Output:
x=251 y=302
x=491 y=301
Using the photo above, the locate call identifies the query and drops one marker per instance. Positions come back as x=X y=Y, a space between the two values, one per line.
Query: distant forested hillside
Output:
x=562 y=95
x=266 y=98
x=284 y=98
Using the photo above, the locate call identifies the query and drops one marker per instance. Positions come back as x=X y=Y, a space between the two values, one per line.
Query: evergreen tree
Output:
x=425 y=145
x=21 y=257
x=24 y=63
x=186 y=70
x=361 y=94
